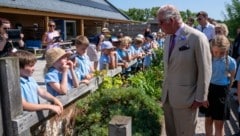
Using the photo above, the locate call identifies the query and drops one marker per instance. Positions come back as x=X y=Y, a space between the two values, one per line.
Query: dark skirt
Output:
x=218 y=105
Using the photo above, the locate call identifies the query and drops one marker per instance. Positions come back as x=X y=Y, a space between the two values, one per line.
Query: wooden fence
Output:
x=16 y=122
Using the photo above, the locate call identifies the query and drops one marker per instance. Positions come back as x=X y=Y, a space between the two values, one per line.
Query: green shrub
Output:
x=150 y=80
x=97 y=109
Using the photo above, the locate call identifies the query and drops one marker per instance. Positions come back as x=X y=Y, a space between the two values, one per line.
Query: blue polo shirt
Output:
x=29 y=89
x=131 y=50
x=137 y=51
x=121 y=55
x=103 y=59
x=219 y=70
x=53 y=75
x=83 y=66
x=148 y=58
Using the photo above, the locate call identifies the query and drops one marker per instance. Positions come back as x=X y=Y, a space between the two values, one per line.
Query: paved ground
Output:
x=38 y=73
x=231 y=126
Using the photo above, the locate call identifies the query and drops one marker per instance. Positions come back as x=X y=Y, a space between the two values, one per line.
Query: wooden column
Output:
x=11 y=100
x=46 y=20
x=105 y=24
x=81 y=27
x=120 y=126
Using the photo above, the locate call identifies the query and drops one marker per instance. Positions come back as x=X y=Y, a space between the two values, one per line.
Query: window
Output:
x=70 y=29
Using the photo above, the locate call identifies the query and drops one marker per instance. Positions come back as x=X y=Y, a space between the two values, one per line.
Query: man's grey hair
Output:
x=169 y=11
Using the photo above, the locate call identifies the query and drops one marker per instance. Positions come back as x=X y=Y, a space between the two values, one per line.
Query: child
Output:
x=148 y=48
x=223 y=72
x=30 y=89
x=138 y=52
x=84 y=66
x=123 y=54
x=108 y=57
x=60 y=74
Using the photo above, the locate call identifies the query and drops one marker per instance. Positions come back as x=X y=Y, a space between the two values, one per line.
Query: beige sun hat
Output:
x=53 y=55
x=139 y=37
x=105 y=30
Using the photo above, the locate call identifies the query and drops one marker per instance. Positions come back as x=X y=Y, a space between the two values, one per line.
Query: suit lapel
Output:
x=166 y=49
x=180 y=40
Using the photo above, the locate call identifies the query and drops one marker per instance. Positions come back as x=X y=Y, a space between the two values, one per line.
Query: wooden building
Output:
x=72 y=17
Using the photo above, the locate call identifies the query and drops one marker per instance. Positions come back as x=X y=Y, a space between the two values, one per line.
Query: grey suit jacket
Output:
x=187 y=72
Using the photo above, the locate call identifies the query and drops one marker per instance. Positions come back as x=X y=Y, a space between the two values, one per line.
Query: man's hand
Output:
x=205 y=104
x=196 y=104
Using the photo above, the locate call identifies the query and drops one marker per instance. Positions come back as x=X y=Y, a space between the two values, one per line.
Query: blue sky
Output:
x=214 y=8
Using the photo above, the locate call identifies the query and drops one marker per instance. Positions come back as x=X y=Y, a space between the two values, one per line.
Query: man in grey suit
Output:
x=187 y=72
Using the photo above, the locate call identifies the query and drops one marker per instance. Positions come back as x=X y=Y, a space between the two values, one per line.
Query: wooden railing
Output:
x=15 y=121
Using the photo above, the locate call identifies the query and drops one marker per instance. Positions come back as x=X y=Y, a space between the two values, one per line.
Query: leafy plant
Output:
x=98 y=108
x=111 y=82
x=150 y=80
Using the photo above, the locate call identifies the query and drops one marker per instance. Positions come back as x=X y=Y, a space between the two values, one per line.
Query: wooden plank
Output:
x=27 y=119
x=114 y=72
x=10 y=92
x=82 y=27
x=132 y=62
x=65 y=45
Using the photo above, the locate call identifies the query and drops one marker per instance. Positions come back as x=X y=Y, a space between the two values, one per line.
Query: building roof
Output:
x=92 y=8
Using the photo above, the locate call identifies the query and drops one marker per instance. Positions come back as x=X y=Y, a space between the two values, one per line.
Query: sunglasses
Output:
x=199 y=19
x=6 y=28
x=161 y=22
x=218 y=32
x=51 y=25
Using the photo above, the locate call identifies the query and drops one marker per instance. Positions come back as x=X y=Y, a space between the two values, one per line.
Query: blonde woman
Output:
x=221 y=28
x=223 y=72
x=51 y=38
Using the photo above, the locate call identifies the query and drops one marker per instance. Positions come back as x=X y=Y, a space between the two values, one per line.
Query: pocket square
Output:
x=182 y=48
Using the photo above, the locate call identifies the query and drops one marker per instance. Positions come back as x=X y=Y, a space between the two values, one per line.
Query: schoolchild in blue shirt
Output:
x=148 y=48
x=138 y=52
x=108 y=57
x=123 y=54
x=59 y=72
x=84 y=67
x=161 y=39
x=223 y=72
x=29 y=87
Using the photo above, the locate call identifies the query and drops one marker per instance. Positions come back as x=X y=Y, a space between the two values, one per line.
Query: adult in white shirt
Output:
x=204 y=26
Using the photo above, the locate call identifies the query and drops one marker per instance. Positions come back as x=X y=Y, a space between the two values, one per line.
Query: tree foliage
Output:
x=233 y=17
x=147 y=13
x=141 y=14
x=186 y=14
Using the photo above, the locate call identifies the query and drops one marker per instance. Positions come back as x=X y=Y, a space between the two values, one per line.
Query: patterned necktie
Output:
x=171 y=44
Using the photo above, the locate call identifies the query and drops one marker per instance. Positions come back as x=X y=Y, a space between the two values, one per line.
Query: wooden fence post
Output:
x=120 y=126
x=11 y=100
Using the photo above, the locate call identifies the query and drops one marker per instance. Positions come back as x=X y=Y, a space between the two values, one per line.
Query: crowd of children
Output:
x=66 y=70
